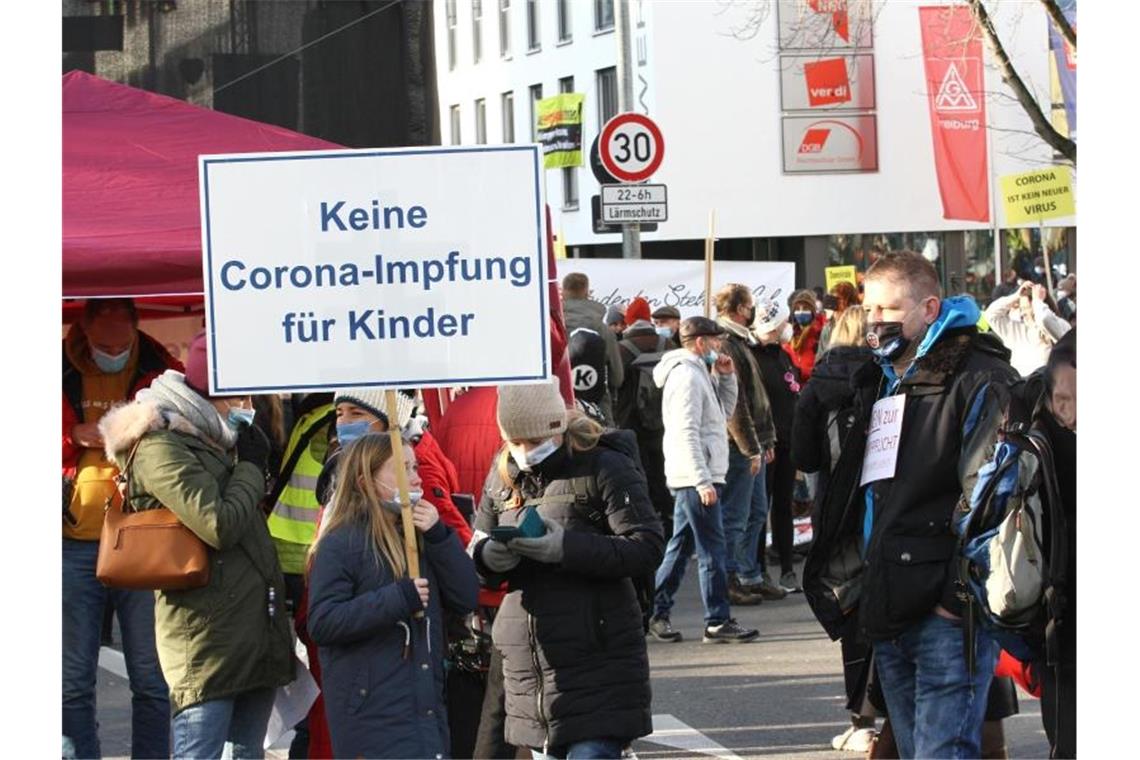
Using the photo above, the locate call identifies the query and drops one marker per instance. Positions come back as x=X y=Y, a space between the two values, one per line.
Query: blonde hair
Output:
x=357 y=502
x=850 y=328
x=582 y=434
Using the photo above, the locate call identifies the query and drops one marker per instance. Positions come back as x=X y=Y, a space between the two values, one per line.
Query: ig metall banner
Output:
x=952 y=53
x=391 y=268
x=559 y=130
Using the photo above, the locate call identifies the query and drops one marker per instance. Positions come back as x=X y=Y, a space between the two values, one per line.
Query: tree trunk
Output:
x=1062 y=23
x=1009 y=75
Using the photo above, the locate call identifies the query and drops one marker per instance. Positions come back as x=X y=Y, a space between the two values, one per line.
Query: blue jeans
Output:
x=202 y=730
x=935 y=707
x=603 y=749
x=694 y=523
x=84 y=598
x=744 y=516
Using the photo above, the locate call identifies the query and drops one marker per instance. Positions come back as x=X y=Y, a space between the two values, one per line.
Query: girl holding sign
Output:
x=382 y=666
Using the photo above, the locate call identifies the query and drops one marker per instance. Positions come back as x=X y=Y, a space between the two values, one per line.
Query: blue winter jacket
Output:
x=382 y=671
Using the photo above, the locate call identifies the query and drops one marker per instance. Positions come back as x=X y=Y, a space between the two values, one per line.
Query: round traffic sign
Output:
x=631 y=147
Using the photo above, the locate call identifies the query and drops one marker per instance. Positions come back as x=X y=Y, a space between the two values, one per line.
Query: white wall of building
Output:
x=717 y=101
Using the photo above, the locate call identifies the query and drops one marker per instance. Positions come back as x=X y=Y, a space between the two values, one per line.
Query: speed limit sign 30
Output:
x=631 y=147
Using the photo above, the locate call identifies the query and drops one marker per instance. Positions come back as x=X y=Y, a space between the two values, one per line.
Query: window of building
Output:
x=569 y=173
x=455 y=125
x=570 y=187
x=480 y=122
x=504 y=28
x=607 y=95
x=535 y=96
x=477 y=30
x=508 y=117
x=603 y=14
x=533 y=41
x=452 y=23
x=863 y=250
x=565 y=34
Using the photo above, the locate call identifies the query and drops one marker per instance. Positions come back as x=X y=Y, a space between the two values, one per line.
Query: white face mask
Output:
x=393 y=504
x=526 y=460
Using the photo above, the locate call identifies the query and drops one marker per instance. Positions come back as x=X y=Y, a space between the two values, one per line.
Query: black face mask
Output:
x=886 y=339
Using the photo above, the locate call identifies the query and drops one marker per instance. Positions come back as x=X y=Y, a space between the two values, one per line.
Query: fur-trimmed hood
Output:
x=125 y=424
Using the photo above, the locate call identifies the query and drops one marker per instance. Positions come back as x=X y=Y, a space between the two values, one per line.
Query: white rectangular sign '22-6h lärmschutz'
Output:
x=389 y=268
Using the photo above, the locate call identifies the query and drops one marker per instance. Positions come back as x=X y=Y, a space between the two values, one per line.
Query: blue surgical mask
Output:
x=710 y=357
x=527 y=460
x=393 y=504
x=803 y=318
x=110 y=363
x=664 y=332
x=347 y=432
x=238 y=417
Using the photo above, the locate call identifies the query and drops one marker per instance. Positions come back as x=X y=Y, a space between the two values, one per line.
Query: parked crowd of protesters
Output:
x=526 y=625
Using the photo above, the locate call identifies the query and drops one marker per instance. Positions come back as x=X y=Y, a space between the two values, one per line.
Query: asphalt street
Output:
x=779 y=696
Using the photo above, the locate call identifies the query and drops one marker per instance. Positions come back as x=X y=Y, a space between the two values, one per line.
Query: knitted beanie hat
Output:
x=614 y=316
x=637 y=310
x=531 y=411
x=372 y=401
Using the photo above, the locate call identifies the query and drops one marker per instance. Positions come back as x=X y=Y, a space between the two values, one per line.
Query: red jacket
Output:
x=153 y=360
x=440 y=480
x=807 y=338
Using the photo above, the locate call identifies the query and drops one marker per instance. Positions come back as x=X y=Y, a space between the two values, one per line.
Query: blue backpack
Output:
x=1012 y=546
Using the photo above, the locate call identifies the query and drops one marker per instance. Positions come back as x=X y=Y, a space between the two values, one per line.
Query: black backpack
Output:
x=589 y=372
x=649 y=398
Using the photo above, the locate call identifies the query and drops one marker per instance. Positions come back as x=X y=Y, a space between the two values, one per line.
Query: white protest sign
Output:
x=882 y=451
x=412 y=267
x=669 y=282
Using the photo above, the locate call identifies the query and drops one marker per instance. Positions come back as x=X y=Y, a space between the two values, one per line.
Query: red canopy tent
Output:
x=130 y=187
x=131 y=223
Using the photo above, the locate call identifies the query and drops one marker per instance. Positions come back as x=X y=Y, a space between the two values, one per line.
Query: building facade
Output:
x=719 y=80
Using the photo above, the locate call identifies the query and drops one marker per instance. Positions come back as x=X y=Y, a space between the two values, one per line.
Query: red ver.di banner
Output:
x=952 y=53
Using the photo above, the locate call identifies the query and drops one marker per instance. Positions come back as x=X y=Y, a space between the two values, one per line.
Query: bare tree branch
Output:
x=1009 y=75
x=1062 y=23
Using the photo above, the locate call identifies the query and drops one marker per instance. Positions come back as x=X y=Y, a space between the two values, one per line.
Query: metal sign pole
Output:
x=630 y=233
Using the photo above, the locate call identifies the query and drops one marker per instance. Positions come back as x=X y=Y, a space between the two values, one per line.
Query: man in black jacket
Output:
x=931 y=407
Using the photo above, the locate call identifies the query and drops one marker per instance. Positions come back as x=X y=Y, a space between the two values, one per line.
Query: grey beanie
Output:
x=531 y=412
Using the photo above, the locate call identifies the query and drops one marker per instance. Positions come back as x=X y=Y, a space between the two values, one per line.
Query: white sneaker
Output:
x=854 y=739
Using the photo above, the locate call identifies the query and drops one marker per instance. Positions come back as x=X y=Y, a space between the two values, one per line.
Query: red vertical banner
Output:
x=955 y=77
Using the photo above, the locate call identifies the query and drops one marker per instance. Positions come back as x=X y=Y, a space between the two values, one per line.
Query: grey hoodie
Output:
x=695 y=407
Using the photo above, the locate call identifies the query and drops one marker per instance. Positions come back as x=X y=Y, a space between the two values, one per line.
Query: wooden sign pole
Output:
x=411 y=550
x=709 y=245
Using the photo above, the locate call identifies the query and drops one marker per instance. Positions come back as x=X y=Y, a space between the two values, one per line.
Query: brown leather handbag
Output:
x=149 y=549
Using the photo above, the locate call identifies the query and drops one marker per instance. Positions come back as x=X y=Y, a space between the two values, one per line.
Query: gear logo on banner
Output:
x=953 y=93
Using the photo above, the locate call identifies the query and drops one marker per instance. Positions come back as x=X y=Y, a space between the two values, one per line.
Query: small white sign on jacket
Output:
x=882 y=453
x=669 y=282
x=411 y=267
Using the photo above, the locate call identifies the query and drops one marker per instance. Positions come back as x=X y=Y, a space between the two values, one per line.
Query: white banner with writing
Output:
x=668 y=282
x=413 y=267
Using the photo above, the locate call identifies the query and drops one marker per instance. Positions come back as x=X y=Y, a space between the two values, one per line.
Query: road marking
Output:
x=112 y=661
x=672 y=732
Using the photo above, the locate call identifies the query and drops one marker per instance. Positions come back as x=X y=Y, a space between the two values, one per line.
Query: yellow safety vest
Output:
x=293 y=522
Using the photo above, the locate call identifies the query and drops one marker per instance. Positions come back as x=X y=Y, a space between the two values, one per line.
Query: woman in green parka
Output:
x=226 y=647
